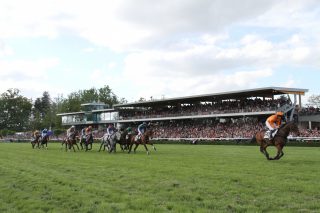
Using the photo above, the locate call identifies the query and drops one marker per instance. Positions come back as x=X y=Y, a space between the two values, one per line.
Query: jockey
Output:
x=44 y=133
x=129 y=131
x=273 y=123
x=89 y=134
x=141 y=129
x=83 y=133
x=111 y=129
x=70 y=132
x=35 y=135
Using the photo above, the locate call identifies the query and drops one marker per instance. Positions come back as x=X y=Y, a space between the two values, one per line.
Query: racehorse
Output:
x=44 y=141
x=110 y=142
x=124 y=141
x=104 y=143
x=279 y=140
x=144 y=140
x=36 y=141
x=82 y=141
x=88 y=142
x=71 y=141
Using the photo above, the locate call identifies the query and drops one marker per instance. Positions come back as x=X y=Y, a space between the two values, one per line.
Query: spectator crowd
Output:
x=231 y=129
x=206 y=108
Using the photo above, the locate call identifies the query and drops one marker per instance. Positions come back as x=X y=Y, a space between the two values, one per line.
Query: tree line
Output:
x=19 y=113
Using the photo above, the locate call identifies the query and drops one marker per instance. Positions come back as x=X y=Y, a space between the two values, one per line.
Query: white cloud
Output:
x=29 y=76
x=182 y=45
x=124 y=25
x=5 y=50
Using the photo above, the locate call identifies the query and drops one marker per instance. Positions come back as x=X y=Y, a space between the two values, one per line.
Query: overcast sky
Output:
x=143 y=48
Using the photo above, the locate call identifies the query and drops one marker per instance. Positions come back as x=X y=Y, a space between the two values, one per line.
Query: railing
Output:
x=286 y=108
x=301 y=139
x=231 y=139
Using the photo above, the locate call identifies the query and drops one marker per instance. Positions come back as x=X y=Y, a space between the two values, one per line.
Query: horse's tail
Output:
x=253 y=139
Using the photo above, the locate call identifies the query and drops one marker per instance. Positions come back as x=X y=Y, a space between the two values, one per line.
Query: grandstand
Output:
x=233 y=114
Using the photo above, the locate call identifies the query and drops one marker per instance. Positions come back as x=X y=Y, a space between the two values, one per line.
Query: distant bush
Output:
x=6 y=132
x=58 y=131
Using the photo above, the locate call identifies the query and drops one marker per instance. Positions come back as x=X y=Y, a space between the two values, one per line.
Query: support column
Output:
x=300 y=105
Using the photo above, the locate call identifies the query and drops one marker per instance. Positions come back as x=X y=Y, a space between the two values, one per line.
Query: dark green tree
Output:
x=15 y=111
x=107 y=96
x=43 y=115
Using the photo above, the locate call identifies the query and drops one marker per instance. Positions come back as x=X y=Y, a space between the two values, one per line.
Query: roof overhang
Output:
x=71 y=113
x=258 y=92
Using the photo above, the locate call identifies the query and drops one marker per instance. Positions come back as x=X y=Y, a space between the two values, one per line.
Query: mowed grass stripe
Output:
x=178 y=178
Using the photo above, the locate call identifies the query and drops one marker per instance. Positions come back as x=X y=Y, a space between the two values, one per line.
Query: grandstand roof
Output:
x=258 y=92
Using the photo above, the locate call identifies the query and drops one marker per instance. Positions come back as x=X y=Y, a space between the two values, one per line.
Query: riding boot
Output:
x=271 y=134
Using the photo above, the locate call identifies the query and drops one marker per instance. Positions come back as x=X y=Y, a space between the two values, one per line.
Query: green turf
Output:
x=177 y=178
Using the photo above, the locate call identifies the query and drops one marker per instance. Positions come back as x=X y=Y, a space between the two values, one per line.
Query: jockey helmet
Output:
x=72 y=127
x=45 y=130
x=90 y=127
x=279 y=114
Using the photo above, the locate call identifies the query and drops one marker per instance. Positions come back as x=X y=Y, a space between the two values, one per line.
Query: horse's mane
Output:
x=286 y=124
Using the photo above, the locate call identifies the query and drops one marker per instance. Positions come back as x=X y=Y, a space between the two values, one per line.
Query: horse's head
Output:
x=117 y=136
x=149 y=133
x=295 y=129
x=74 y=135
x=292 y=127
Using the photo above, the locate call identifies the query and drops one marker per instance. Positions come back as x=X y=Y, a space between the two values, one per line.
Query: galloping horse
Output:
x=85 y=141
x=279 y=140
x=44 y=141
x=36 y=141
x=124 y=141
x=70 y=142
x=144 y=140
x=110 y=142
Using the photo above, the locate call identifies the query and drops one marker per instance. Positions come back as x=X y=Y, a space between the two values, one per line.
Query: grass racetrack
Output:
x=177 y=178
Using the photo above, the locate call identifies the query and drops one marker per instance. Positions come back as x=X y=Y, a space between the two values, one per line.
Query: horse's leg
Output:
x=154 y=148
x=281 y=155
x=130 y=148
x=121 y=146
x=110 y=147
x=145 y=146
x=91 y=145
x=135 y=148
x=77 y=146
x=263 y=149
x=101 y=144
x=86 y=145
x=62 y=143
x=81 y=144
x=69 y=146
x=279 y=152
